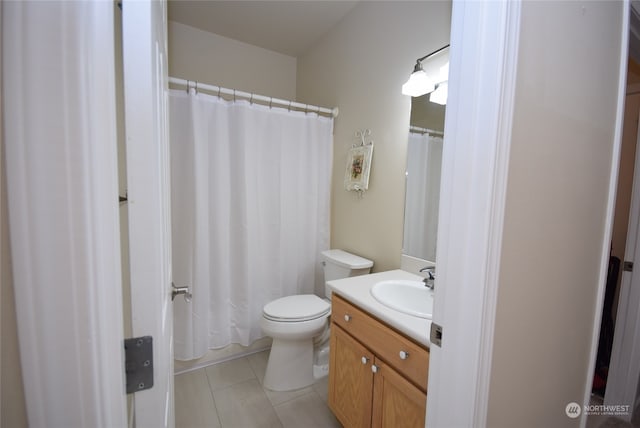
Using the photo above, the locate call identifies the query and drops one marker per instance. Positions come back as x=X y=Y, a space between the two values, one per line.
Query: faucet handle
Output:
x=429 y=280
x=431 y=270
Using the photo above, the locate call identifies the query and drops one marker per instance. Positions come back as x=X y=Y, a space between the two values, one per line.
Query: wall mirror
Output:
x=424 y=161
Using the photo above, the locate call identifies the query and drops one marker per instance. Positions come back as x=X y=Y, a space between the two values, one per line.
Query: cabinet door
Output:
x=350 y=380
x=397 y=403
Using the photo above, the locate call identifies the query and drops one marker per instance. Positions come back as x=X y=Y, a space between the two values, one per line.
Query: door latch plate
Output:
x=138 y=362
x=436 y=334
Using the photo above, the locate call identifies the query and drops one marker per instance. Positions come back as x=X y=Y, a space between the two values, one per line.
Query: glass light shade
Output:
x=439 y=96
x=444 y=72
x=418 y=84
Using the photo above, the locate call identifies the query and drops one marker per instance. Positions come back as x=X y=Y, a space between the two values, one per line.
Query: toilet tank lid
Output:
x=348 y=260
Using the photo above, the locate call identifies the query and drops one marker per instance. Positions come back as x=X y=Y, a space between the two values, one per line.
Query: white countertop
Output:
x=357 y=290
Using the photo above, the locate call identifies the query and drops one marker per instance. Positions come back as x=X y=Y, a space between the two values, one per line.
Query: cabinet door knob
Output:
x=374 y=368
x=364 y=360
x=404 y=355
x=347 y=317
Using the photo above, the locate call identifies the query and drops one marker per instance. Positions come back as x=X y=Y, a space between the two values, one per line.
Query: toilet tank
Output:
x=339 y=264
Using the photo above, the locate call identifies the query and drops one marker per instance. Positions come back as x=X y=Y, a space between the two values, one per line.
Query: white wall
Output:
x=555 y=229
x=209 y=58
x=360 y=67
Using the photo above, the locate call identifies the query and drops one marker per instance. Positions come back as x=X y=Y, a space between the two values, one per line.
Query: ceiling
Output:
x=289 y=27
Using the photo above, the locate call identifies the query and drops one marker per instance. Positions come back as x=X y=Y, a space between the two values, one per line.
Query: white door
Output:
x=145 y=82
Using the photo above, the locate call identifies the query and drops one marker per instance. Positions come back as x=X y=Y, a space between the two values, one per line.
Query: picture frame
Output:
x=356 y=176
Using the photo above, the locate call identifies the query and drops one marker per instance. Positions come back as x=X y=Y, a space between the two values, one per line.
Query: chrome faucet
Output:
x=429 y=280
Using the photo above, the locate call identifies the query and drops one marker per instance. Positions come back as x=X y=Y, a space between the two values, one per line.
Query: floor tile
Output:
x=245 y=405
x=194 y=405
x=229 y=373
x=279 y=397
x=322 y=388
x=258 y=363
x=308 y=411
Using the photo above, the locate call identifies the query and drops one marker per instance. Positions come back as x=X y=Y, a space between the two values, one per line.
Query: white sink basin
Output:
x=409 y=297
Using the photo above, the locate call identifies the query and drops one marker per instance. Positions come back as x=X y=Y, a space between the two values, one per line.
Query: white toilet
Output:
x=299 y=326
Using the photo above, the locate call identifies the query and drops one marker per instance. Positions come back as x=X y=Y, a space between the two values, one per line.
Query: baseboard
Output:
x=217 y=356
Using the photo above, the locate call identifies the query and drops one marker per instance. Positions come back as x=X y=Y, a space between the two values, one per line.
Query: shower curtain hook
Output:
x=289 y=108
x=234 y=95
x=219 y=91
x=270 y=102
x=187 y=87
x=196 y=86
x=251 y=99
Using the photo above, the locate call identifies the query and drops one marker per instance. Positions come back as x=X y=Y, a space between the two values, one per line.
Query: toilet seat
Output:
x=302 y=307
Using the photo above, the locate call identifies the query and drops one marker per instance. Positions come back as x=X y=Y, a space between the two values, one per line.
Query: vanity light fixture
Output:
x=439 y=96
x=419 y=82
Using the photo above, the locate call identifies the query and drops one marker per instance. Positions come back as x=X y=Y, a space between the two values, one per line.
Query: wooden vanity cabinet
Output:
x=370 y=383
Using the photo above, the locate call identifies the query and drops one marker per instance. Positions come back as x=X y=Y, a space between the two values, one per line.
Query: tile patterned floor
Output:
x=230 y=394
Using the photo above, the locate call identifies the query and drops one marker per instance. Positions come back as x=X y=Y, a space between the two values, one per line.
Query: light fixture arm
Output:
x=432 y=53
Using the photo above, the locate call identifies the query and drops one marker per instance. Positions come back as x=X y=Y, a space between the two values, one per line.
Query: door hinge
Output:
x=627 y=266
x=138 y=361
x=436 y=334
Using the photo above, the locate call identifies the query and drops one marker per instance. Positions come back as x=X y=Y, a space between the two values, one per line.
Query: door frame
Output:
x=624 y=366
x=483 y=57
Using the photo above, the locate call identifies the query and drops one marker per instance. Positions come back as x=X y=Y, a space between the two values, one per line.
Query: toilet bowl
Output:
x=293 y=322
x=299 y=326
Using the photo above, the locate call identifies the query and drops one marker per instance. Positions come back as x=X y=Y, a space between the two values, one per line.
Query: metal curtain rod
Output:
x=253 y=97
x=426 y=130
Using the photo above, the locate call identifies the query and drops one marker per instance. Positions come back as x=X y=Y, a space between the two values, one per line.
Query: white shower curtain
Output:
x=250 y=214
x=424 y=163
